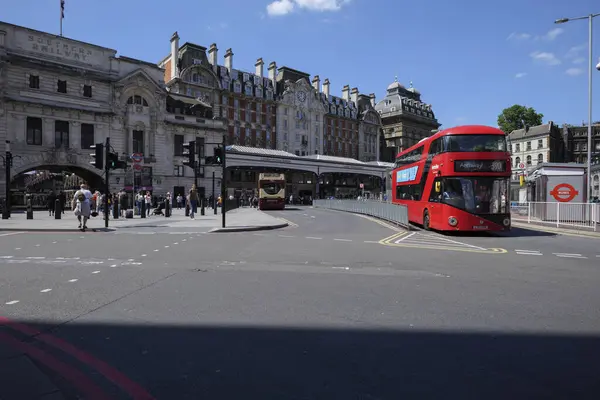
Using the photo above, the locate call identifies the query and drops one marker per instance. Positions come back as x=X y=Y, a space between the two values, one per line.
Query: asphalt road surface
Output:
x=336 y=306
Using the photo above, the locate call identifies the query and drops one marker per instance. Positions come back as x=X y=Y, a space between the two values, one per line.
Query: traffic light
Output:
x=98 y=155
x=209 y=160
x=218 y=155
x=189 y=151
x=115 y=163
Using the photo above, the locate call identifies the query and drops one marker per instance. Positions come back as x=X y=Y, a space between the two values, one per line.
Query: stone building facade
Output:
x=405 y=117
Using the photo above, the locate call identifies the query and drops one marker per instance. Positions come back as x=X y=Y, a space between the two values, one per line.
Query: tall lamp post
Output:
x=590 y=19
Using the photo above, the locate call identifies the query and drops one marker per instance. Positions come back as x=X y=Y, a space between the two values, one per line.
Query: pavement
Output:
x=242 y=219
x=332 y=306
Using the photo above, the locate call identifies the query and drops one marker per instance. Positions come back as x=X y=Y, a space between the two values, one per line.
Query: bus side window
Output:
x=435 y=147
x=436 y=191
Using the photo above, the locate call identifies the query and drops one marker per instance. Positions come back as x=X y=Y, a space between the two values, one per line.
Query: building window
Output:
x=269 y=95
x=139 y=100
x=236 y=103
x=528 y=160
x=517 y=148
x=138 y=141
x=285 y=123
x=540 y=159
x=87 y=136
x=178 y=171
x=237 y=87
x=61 y=134
x=34 y=131
x=178 y=145
x=34 y=82
x=528 y=146
x=87 y=91
x=259 y=92
x=248 y=90
x=540 y=143
x=61 y=86
x=225 y=100
x=517 y=161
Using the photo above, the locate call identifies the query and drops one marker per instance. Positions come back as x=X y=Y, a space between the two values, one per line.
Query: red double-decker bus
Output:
x=456 y=180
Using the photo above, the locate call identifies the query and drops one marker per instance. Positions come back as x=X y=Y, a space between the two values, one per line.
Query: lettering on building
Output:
x=58 y=48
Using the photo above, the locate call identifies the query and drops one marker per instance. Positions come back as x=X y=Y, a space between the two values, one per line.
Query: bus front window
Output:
x=477 y=195
x=476 y=143
x=271 y=188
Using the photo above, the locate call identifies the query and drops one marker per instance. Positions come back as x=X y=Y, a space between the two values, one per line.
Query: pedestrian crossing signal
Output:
x=115 y=163
x=218 y=155
x=98 y=155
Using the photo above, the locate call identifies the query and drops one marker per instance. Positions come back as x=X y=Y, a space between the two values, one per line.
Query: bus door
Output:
x=435 y=201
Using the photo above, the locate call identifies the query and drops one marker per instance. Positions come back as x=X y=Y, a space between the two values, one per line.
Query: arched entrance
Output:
x=39 y=181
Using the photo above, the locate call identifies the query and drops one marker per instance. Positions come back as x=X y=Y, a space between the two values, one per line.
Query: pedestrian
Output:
x=193 y=199
x=51 y=202
x=82 y=206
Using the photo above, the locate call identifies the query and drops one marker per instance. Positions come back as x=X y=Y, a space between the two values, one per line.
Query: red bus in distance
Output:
x=456 y=180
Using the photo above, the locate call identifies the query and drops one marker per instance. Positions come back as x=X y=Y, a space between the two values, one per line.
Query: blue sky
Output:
x=469 y=58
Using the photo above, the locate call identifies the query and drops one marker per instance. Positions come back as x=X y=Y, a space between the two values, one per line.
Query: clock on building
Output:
x=301 y=96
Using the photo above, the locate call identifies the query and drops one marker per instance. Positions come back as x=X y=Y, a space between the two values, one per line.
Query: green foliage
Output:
x=517 y=116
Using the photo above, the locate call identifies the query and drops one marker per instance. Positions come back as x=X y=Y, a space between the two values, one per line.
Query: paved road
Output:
x=335 y=306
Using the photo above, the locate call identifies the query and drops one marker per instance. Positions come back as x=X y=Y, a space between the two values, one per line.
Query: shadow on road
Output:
x=214 y=362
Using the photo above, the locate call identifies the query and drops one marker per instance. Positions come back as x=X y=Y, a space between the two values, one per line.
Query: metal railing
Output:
x=574 y=215
x=395 y=213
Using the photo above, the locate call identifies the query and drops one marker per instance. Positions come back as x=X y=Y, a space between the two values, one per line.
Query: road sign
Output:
x=521 y=165
x=564 y=192
x=137 y=157
x=137 y=167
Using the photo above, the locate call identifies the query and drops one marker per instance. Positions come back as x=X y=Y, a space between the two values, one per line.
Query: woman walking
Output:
x=82 y=206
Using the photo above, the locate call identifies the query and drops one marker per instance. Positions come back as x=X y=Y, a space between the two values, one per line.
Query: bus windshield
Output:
x=478 y=195
x=271 y=188
x=478 y=143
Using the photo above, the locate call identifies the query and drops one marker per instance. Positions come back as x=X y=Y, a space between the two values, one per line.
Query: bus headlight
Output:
x=506 y=222
x=452 y=221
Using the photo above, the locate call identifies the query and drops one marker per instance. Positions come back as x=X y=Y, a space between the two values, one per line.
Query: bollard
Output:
x=29 y=208
x=115 y=209
x=202 y=206
x=167 y=208
x=57 y=209
x=187 y=209
x=214 y=205
x=5 y=213
x=143 y=209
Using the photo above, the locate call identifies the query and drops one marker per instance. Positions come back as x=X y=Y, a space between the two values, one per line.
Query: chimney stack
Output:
x=354 y=95
x=174 y=55
x=346 y=92
x=273 y=73
x=372 y=96
x=229 y=60
x=213 y=55
x=259 y=67
x=326 y=88
x=316 y=83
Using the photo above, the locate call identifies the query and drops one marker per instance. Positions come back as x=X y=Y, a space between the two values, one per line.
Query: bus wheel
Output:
x=426 y=220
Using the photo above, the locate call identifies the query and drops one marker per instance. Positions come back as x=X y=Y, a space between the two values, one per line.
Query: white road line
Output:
x=37 y=245
x=96 y=272
x=110 y=259
x=54 y=242
x=113 y=266
x=10 y=303
x=306 y=215
x=345 y=268
x=35 y=258
x=45 y=290
x=570 y=255
x=184 y=240
x=10 y=233
x=176 y=243
x=528 y=253
x=312 y=216
x=73 y=280
x=17 y=248
x=144 y=255
x=405 y=237
x=567 y=254
x=156 y=250
x=312 y=237
x=81 y=237
x=166 y=247
x=342 y=240
x=6 y=256
x=131 y=259
x=286 y=236
x=371 y=241
x=461 y=243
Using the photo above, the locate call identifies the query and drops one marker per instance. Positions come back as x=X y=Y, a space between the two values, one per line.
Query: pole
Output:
x=589 y=145
x=106 y=185
x=214 y=202
x=224 y=181
x=61 y=16
x=7 y=163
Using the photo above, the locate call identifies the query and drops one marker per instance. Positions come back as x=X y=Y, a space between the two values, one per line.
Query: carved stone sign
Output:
x=60 y=48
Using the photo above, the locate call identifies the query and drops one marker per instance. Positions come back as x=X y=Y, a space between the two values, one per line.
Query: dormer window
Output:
x=269 y=94
x=246 y=77
x=248 y=90
x=237 y=87
x=259 y=92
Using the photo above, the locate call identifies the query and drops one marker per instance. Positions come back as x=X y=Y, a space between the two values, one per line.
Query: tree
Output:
x=517 y=117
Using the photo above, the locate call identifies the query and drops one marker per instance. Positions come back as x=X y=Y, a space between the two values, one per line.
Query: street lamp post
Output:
x=590 y=19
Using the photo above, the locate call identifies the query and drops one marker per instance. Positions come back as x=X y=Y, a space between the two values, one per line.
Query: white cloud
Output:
x=574 y=71
x=545 y=57
x=553 y=34
x=280 y=7
x=518 y=36
x=579 y=60
x=283 y=7
x=575 y=51
x=520 y=75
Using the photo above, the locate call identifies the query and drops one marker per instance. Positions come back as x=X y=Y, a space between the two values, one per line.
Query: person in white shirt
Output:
x=82 y=205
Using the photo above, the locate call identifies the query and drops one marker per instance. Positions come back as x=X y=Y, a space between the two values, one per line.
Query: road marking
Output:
x=286 y=236
x=91 y=262
x=6 y=256
x=166 y=247
x=17 y=248
x=306 y=215
x=45 y=290
x=176 y=243
x=96 y=272
x=10 y=233
x=113 y=266
x=312 y=216
x=345 y=268
x=184 y=240
x=144 y=255
x=567 y=255
x=10 y=303
x=54 y=242
x=528 y=252
x=156 y=250
x=287 y=221
x=342 y=240
x=371 y=241
x=81 y=237
x=37 y=245
x=405 y=237
x=73 y=280
x=314 y=238
x=35 y=258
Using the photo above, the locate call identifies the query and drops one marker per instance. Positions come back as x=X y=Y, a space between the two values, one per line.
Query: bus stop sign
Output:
x=563 y=192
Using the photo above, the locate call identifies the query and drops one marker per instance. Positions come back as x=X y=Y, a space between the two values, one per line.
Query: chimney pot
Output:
x=372 y=96
x=326 y=88
x=346 y=92
x=259 y=67
x=229 y=59
x=213 y=51
x=273 y=74
x=354 y=95
x=316 y=83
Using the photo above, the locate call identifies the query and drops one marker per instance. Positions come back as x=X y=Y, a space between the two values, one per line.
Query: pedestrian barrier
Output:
x=574 y=215
x=395 y=213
